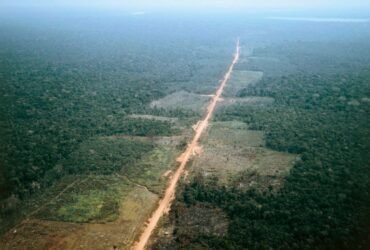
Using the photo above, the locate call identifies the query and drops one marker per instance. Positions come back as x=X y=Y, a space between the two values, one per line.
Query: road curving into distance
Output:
x=169 y=194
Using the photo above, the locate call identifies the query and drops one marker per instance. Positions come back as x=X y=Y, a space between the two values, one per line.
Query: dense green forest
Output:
x=324 y=203
x=69 y=83
x=58 y=90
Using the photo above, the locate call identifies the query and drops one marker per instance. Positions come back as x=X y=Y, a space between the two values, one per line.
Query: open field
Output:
x=134 y=210
x=206 y=86
x=113 y=206
x=267 y=171
x=271 y=65
x=94 y=199
x=182 y=100
x=230 y=149
x=250 y=100
x=241 y=79
x=131 y=206
x=233 y=133
x=37 y=234
x=149 y=170
x=154 y=117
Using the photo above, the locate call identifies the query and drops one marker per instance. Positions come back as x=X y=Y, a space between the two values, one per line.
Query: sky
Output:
x=147 y=5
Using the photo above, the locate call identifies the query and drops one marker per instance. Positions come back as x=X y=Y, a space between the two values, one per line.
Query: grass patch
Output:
x=182 y=100
x=93 y=199
x=150 y=169
x=249 y=101
x=267 y=171
x=97 y=198
x=93 y=206
x=155 y=117
x=271 y=66
x=240 y=79
x=237 y=156
x=223 y=161
x=134 y=206
x=234 y=133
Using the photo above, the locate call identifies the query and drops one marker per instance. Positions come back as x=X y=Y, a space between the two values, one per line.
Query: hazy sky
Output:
x=197 y=4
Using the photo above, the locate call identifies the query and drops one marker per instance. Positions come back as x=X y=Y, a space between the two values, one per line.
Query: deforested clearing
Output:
x=184 y=126
x=182 y=100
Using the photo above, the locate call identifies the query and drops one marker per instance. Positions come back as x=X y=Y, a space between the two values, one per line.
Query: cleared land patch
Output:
x=154 y=117
x=96 y=199
x=231 y=150
x=188 y=222
x=134 y=210
x=233 y=133
x=149 y=170
x=272 y=66
x=37 y=234
x=182 y=100
x=43 y=234
x=250 y=100
x=241 y=79
x=207 y=86
x=267 y=171
x=114 y=197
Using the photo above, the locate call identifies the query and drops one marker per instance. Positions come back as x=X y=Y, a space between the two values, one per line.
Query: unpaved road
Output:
x=165 y=203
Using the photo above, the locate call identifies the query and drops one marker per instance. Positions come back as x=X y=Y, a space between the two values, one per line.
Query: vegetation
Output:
x=60 y=93
x=241 y=79
x=149 y=170
x=93 y=199
x=230 y=150
x=85 y=97
x=324 y=201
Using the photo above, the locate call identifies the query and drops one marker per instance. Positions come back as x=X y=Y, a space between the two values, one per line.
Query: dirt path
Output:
x=165 y=203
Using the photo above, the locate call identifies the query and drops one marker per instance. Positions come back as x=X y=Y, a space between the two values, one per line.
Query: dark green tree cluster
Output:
x=66 y=83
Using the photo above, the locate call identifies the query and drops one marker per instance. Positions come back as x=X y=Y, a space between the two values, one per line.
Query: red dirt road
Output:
x=169 y=195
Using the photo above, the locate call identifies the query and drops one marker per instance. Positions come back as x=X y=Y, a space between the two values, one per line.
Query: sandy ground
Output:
x=164 y=204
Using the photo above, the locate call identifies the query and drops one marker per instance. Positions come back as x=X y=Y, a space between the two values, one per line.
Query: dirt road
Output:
x=165 y=203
